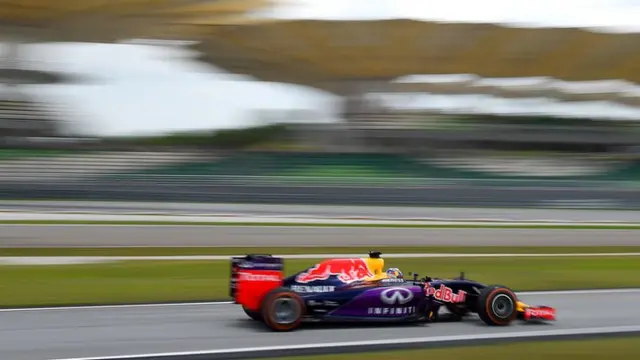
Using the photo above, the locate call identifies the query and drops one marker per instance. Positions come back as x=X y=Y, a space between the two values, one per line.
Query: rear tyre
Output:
x=283 y=310
x=497 y=305
x=255 y=315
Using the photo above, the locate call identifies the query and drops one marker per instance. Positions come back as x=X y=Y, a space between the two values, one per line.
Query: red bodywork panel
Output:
x=252 y=279
x=253 y=285
x=540 y=313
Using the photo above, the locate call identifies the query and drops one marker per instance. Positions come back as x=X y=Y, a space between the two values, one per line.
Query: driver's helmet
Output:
x=394 y=273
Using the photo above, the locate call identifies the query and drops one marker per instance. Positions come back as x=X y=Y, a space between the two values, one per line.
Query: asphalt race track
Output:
x=153 y=235
x=325 y=210
x=460 y=194
x=111 y=331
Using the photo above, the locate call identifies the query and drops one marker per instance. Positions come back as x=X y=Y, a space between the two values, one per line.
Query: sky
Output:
x=136 y=90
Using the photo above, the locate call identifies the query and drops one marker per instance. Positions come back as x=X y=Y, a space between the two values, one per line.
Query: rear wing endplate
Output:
x=252 y=268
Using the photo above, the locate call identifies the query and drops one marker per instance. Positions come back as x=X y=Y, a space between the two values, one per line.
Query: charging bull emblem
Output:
x=345 y=270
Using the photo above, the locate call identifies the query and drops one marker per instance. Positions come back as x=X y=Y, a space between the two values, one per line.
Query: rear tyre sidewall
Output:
x=497 y=305
x=294 y=312
x=255 y=315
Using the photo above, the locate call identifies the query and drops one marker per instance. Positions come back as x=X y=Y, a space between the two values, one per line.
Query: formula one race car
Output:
x=357 y=289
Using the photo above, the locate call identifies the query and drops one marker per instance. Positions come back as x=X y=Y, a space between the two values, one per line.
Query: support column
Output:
x=9 y=61
x=12 y=38
x=31 y=121
x=10 y=54
x=368 y=124
x=356 y=107
x=359 y=98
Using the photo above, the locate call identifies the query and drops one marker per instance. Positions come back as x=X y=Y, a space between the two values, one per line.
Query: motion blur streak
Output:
x=379 y=345
x=118 y=331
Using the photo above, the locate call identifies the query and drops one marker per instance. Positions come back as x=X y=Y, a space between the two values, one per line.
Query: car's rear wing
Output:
x=253 y=276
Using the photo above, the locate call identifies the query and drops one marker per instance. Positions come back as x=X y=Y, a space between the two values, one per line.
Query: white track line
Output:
x=300 y=220
x=328 y=256
x=78 y=260
x=100 y=307
x=430 y=339
x=581 y=292
x=214 y=303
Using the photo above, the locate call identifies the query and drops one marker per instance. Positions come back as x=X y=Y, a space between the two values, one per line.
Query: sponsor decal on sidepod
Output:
x=394 y=296
x=445 y=294
x=322 y=303
x=406 y=310
x=312 y=289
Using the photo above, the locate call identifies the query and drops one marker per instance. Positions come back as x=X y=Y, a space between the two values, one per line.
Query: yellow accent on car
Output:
x=376 y=266
x=521 y=306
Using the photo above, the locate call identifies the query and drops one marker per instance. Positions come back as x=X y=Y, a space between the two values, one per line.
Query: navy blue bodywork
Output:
x=324 y=297
x=331 y=299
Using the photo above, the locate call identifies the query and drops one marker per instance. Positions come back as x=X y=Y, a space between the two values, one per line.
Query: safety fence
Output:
x=333 y=190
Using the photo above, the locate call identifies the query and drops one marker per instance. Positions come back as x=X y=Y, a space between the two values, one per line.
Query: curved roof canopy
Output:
x=27 y=77
x=323 y=53
x=113 y=20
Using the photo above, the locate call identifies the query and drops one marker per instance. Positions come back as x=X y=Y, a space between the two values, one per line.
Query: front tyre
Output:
x=497 y=305
x=283 y=310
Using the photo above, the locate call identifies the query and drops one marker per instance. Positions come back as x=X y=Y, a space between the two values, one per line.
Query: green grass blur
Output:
x=164 y=281
x=619 y=348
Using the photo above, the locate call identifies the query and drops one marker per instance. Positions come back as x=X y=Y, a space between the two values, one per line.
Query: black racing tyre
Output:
x=255 y=315
x=282 y=310
x=497 y=305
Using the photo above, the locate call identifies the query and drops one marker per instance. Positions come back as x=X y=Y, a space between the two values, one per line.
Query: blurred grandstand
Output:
x=357 y=59
x=87 y=21
x=22 y=118
x=366 y=63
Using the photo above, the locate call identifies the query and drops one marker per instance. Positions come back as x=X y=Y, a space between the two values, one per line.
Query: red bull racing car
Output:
x=358 y=289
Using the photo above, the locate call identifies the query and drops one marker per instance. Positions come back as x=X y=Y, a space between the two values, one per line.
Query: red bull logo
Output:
x=346 y=270
x=445 y=294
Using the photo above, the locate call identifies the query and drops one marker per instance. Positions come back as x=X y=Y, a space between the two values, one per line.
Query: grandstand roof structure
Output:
x=25 y=77
x=350 y=56
x=616 y=91
x=327 y=54
x=106 y=21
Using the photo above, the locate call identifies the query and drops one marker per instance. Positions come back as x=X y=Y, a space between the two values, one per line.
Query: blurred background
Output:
x=490 y=103
x=477 y=104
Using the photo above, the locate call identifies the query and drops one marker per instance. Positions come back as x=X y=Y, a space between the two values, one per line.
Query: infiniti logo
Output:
x=396 y=295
